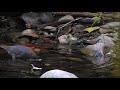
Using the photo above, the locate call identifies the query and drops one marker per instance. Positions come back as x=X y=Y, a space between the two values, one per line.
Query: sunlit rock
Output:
x=58 y=74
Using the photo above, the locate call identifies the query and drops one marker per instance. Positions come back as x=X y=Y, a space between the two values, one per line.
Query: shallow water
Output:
x=76 y=62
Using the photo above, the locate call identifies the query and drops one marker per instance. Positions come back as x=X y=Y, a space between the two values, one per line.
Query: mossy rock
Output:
x=87 y=51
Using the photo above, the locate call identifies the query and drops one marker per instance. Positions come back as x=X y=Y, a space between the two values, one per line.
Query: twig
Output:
x=59 y=28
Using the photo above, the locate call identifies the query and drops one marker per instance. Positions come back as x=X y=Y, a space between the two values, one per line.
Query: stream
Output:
x=63 y=58
x=78 y=63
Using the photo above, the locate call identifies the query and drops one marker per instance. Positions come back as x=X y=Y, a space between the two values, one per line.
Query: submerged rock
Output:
x=19 y=51
x=56 y=73
x=98 y=50
x=50 y=28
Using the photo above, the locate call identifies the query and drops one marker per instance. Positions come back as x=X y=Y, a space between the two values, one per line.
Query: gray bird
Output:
x=19 y=51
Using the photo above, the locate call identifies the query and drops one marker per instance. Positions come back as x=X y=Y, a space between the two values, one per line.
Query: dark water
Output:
x=76 y=62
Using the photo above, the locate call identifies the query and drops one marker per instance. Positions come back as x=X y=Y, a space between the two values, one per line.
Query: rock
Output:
x=29 y=32
x=36 y=19
x=31 y=17
x=102 y=30
x=46 y=17
x=47 y=35
x=67 y=17
x=20 y=51
x=111 y=25
x=29 y=36
x=65 y=39
x=56 y=73
x=79 y=26
x=98 y=50
x=112 y=35
x=107 y=41
x=50 y=28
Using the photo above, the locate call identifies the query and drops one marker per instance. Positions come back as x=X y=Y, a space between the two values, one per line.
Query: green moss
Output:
x=116 y=71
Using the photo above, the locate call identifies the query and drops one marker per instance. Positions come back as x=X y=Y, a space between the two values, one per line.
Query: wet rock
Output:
x=102 y=30
x=111 y=25
x=77 y=28
x=47 y=35
x=112 y=35
x=65 y=39
x=107 y=41
x=67 y=30
x=50 y=28
x=98 y=50
x=56 y=73
x=37 y=18
x=46 y=17
x=19 y=51
x=30 y=35
x=29 y=32
x=67 y=17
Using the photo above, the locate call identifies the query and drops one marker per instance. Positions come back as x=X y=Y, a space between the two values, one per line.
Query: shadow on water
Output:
x=75 y=62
